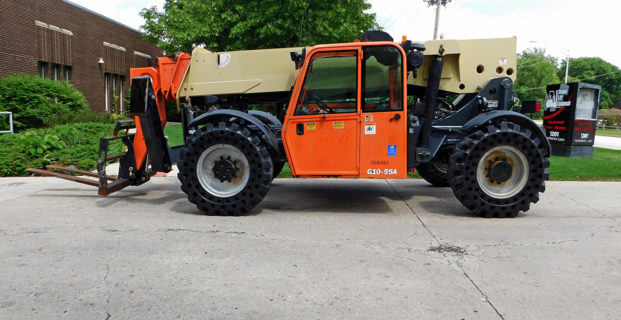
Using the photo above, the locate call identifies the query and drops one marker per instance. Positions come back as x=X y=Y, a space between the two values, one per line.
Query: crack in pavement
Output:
x=535 y=243
x=459 y=265
x=116 y=252
x=588 y=207
x=203 y=231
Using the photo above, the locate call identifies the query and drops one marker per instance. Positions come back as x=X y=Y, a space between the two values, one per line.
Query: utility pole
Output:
x=567 y=67
x=435 y=29
x=438 y=4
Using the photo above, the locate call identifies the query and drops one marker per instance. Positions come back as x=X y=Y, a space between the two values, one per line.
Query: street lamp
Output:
x=561 y=50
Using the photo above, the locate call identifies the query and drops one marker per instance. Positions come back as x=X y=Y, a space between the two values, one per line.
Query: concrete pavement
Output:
x=607 y=142
x=314 y=249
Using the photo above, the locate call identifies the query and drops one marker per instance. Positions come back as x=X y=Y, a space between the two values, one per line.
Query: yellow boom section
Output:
x=468 y=65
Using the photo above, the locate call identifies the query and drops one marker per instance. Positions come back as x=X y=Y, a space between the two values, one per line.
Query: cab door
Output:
x=322 y=131
x=383 y=148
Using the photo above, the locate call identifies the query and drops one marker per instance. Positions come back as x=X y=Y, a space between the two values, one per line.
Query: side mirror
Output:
x=297 y=58
x=414 y=60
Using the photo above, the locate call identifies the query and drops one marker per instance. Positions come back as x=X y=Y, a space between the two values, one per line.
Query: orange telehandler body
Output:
x=370 y=109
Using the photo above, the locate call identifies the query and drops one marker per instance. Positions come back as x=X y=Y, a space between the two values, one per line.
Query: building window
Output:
x=106 y=92
x=42 y=69
x=115 y=97
x=55 y=72
x=67 y=73
x=113 y=84
x=121 y=81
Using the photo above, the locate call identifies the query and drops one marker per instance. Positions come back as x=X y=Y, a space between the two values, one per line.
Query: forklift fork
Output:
x=107 y=184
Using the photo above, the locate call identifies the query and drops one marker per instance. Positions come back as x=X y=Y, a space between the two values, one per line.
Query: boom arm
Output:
x=467 y=67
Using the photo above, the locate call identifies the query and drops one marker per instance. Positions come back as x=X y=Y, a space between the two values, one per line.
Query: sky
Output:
x=581 y=28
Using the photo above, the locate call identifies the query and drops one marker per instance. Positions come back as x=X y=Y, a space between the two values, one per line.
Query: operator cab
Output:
x=347 y=116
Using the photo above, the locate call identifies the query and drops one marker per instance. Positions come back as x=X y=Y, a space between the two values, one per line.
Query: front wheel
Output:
x=499 y=171
x=225 y=169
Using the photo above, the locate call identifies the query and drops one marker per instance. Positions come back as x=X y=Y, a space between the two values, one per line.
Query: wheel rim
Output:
x=213 y=183
x=442 y=167
x=493 y=173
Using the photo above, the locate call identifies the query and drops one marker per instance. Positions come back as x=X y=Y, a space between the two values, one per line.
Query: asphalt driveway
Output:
x=314 y=249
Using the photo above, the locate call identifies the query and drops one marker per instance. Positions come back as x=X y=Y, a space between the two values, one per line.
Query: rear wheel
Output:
x=435 y=173
x=225 y=169
x=278 y=168
x=499 y=171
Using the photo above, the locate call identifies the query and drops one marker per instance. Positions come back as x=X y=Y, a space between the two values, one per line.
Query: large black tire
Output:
x=217 y=152
x=499 y=170
x=434 y=173
x=278 y=168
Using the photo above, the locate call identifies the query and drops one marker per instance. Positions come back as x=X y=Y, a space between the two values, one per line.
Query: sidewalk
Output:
x=607 y=142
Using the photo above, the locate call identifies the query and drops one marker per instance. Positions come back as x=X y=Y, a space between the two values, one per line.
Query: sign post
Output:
x=10 y=114
x=570 y=117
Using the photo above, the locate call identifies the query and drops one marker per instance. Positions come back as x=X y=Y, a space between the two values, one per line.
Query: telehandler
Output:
x=367 y=109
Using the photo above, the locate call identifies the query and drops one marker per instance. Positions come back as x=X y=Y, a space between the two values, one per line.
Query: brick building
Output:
x=60 y=40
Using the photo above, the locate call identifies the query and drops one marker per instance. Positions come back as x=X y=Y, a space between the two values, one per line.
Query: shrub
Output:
x=33 y=100
x=172 y=114
x=36 y=142
x=70 y=144
x=612 y=116
x=4 y=122
x=79 y=117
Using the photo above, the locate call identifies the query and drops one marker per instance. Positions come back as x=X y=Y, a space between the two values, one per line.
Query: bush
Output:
x=80 y=117
x=34 y=100
x=4 y=122
x=612 y=116
x=172 y=114
x=71 y=144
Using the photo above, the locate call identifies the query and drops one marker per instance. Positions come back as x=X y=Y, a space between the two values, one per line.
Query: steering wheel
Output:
x=322 y=105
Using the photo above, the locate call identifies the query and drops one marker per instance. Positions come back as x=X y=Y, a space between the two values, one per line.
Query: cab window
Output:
x=329 y=85
x=382 y=79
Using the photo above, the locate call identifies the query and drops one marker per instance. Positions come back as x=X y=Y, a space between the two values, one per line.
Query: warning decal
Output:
x=369 y=128
x=338 y=124
x=392 y=150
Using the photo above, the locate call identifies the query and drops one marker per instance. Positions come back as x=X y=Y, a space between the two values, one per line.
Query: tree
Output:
x=221 y=25
x=597 y=71
x=535 y=70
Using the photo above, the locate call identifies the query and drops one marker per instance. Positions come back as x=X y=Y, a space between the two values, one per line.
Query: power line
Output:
x=397 y=11
x=592 y=77
x=533 y=64
x=402 y=13
x=600 y=75
x=529 y=89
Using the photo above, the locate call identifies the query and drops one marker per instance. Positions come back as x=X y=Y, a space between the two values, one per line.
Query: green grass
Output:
x=608 y=132
x=605 y=165
x=285 y=172
x=174 y=134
